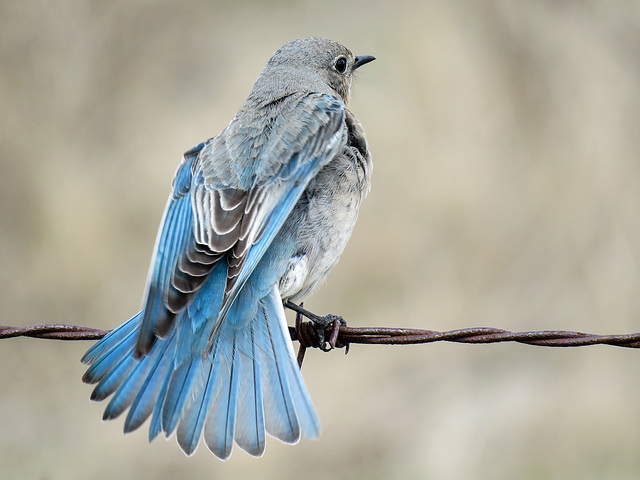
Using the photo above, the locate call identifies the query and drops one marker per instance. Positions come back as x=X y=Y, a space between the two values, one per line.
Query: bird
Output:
x=257 y=216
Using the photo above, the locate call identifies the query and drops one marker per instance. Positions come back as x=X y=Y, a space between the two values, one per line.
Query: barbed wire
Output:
x=374 y=335
x=308 y=334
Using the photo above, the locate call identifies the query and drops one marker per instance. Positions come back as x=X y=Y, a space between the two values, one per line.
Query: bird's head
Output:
x=313 y=64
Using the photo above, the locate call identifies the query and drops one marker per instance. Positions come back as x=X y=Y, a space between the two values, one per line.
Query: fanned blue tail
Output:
x=247 y=385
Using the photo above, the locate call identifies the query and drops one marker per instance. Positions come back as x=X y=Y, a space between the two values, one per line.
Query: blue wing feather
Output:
x=175 y=234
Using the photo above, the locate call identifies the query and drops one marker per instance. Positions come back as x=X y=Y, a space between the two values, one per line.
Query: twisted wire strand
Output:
x=306 y=334
x=53 y=331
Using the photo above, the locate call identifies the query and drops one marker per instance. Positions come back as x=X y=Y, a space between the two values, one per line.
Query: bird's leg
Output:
x=320 y=323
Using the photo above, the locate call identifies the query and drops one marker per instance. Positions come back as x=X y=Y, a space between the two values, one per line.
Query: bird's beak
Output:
x=361 y=60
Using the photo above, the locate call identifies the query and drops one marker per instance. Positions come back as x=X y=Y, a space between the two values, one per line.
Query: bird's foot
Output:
x=320 y=324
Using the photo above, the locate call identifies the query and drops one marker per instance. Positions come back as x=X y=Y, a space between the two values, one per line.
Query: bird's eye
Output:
x=341 y=64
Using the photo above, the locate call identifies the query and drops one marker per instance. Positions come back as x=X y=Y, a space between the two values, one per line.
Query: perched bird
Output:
x=257 y=215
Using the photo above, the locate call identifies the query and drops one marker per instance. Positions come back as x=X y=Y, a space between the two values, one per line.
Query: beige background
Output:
x=506 y=192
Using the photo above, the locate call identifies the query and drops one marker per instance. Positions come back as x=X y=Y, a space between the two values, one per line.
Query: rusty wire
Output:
x=372 y=335
x=53 y=331
x=337 y=335
x=408 y=336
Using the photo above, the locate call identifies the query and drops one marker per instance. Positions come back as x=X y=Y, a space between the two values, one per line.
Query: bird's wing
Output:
x=243 y=187
x=174 y=234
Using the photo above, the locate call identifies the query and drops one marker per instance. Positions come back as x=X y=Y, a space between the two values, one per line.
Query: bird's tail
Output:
x=247 y=384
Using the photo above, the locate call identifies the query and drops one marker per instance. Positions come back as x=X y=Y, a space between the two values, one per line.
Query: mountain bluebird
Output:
x=257 y=215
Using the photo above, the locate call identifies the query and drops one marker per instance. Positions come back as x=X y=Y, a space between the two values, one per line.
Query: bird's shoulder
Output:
x=264 y=136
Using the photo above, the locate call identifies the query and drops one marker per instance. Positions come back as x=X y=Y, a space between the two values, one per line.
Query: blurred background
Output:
x=506 y=193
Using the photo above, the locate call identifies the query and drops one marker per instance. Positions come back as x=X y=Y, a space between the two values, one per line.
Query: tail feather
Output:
x=156 y=419
x=178 y=393
x=113 y=339
x=307 y=416
x=220 y=426
x=192 y=424
x=148 y=394
x=248 y=385
x=250 y=429
x=135 y=383
x=288 y=367
x=112 y=379
x=128 y=387
x=106 y=364
x=279 y=410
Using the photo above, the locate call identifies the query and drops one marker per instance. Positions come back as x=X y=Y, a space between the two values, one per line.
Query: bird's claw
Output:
x=320 y=324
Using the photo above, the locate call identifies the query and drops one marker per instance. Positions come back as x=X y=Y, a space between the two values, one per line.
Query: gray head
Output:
x=310 y=64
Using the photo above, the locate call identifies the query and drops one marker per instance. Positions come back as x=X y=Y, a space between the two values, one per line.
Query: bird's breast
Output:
x=322 y=222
